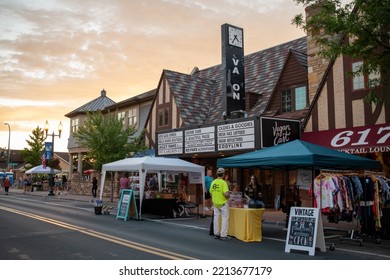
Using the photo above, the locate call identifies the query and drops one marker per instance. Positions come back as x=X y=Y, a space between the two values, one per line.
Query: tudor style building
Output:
x=196 y=100
x=339 y=116
x=188 y=117
x=186 y=114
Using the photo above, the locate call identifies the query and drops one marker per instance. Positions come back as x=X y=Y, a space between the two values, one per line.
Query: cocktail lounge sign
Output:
x=356 y=140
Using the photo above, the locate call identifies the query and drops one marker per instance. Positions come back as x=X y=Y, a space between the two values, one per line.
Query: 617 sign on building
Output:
x=357 y=140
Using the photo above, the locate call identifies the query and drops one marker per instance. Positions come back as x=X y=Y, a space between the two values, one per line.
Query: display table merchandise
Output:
x=245 y=223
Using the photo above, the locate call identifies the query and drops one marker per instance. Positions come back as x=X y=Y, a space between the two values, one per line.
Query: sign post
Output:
x=127 y=206
x=305 y=231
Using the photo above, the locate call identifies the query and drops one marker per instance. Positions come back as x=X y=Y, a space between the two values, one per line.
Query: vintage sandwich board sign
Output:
x=127 y=206
x=305 y=231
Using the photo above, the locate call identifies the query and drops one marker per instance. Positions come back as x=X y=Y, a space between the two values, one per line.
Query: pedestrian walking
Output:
x=208 y=179
x=94 y=186
x=57 y=185
x=29 y=183
x=64 y=183
x=7 y=184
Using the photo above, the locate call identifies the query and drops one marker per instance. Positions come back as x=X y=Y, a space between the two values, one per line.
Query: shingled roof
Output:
x=192 y=95
x=199 y=95
x=98 y=104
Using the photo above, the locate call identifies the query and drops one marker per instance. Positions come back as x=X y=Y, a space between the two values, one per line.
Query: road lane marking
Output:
x=120 y=241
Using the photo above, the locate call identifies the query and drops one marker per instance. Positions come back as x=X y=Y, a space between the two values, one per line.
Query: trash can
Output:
x=98 y=210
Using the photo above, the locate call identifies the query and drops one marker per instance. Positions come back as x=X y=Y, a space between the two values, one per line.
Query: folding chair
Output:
x=188 y=208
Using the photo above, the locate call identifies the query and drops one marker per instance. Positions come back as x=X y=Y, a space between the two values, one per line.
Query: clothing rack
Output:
x=366 y=205
x=351 y=236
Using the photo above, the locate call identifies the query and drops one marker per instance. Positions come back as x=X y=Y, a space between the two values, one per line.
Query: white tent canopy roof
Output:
x=148 y=164
x=152 y=164
x=40 y=170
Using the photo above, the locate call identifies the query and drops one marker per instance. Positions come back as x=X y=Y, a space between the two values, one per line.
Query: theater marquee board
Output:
x=236 y=136
x=199 y=140
x=239 y=135
x=170 y=143
x=357 y=140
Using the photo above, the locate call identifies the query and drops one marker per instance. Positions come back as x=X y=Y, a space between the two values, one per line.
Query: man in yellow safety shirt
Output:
x=219 y=191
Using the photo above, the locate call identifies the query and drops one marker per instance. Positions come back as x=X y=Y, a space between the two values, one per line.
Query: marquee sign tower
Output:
x=233 y=81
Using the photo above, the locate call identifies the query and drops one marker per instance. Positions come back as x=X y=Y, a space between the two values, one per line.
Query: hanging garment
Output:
x=324 y=190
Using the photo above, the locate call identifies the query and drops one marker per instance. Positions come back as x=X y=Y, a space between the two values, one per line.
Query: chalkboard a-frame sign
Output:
x=127 y=206
x=305 y=231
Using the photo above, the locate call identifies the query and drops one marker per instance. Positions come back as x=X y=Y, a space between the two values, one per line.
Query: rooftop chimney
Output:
x=316 y=64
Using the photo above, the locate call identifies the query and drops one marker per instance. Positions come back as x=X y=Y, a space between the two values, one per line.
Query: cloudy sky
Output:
x=56 y=55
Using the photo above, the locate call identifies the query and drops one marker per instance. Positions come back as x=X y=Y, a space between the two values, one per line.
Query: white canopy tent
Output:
x=148 y=164
x=40 y=170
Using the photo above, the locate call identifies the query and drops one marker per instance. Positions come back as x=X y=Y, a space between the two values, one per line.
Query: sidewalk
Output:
x=270 y=216
x=64 y=195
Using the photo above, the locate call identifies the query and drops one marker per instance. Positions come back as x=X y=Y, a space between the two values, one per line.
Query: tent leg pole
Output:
x=287 y=178
x=312 y=186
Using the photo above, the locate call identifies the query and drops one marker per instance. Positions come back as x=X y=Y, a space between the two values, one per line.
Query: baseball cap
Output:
x=220 y=170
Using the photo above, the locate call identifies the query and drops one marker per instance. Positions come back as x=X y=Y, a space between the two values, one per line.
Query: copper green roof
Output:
x=98 y=104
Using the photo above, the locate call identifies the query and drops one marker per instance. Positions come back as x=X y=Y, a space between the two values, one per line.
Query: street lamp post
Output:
x=52 y=152
x=9 y=141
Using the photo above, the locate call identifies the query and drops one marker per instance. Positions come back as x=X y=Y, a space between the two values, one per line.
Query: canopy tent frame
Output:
x=147 y=164
x=298 y=154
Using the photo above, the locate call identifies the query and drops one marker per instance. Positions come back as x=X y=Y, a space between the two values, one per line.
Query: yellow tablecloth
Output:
x=245 y=224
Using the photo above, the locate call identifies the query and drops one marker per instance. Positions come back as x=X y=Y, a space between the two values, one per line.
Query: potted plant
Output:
x=53 y=163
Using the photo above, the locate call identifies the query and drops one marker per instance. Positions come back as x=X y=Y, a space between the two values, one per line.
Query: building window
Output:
x=361 y=81
x=163 y=117
x=358 y=79
x=294 y=99
x=75 y=125
x=166 y=117
x=300 y=98
x=132 y=118
x=286 y=101
x=160 y=118
x=374 y=79
x=121 y=116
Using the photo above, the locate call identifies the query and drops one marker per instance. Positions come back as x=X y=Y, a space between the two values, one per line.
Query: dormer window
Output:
x=293 y=99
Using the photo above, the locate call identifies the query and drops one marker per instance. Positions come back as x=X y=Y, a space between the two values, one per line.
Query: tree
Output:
x=359 y=29
x=107 y=138
x=33 y=154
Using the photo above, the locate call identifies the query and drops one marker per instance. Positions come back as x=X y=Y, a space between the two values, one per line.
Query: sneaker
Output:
x=225 y=238
x=217 y=237
x=206 y=209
